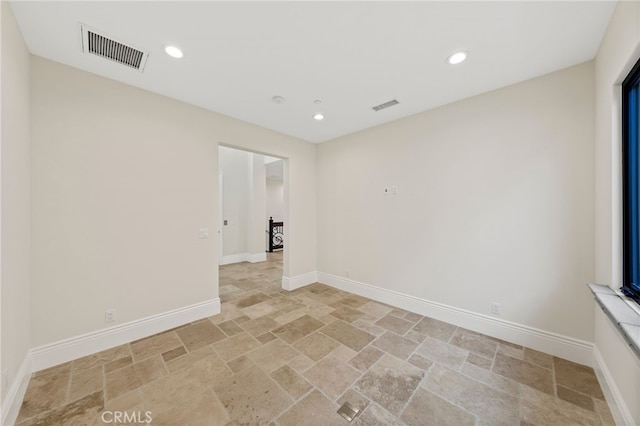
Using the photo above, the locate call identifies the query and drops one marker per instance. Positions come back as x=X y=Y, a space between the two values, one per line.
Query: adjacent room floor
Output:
x=293 y=358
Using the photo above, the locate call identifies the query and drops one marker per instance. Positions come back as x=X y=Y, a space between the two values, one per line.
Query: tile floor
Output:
x=292 y=358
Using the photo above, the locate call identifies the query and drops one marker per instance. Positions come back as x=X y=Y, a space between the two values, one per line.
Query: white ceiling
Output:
x=349 y=55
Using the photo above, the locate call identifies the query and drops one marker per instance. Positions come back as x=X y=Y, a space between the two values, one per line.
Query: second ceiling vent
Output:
x=95 y=43
x=387 y=104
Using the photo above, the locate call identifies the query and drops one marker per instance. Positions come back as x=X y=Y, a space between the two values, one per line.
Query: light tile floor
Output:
x=292 y=358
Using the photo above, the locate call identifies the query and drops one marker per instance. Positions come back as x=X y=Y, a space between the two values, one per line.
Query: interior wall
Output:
x=275 y=200
x=257 y=205
x=234 y=165
x=494 y=203
x=122 y=179
x=619 y=51
x=15 y=225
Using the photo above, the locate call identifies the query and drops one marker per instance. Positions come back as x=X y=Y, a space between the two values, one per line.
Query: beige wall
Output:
x=122 y=179
x=16 y=214
x=494 y=204
x=619 y=51
x=234 y=166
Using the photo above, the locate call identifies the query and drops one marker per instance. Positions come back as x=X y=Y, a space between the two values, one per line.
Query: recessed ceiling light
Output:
x=317 y=101
x=456 y=58
x=278 y=99
x=174 y=52
x=318 y=116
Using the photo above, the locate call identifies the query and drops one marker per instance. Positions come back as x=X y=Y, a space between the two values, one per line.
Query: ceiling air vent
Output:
x=386 y=105
x=107 y=47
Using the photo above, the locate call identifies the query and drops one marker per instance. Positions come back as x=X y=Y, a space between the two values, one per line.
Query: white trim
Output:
x=69 y=349
x=243 y=257
x=299 y=281
x=617 y=406
x=15 y=395
x=555 y=344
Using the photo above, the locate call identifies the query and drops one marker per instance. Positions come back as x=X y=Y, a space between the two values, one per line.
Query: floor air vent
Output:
x=106 y=47
x=386 y=105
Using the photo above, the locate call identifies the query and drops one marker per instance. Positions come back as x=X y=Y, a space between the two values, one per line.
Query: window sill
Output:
x=626 y=318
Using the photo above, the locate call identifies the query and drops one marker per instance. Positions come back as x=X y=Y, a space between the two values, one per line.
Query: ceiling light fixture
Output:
x=456 y=58
x=173 y=51
x=318 y=116
x=278 y=99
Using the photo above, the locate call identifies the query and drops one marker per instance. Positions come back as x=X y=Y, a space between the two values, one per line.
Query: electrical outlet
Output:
x=110 y=315
x=495 y=308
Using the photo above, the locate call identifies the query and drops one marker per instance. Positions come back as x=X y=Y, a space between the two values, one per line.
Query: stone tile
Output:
x=197 y=335
x=395 y=324
x=479 y=361
x=130 y=401
x=121 y=381
x=513 y=352
x=266 y=338
x=426 y=408
x=332 y=376
x=175 y=389
x=579 y=399
x=354 y=301
x=259 y=326
x=118 y=363
x=235 y=346
x=290 y=381
x=366 y=358
x=395 y=345
x=202 y=409
x=286 y=304
x=150 y=369
x=434 y=328
x=494 y=380
x=474 y=342
x=347 y=314
x=375 y=309
x=415 y=336
x=259 y=310
x=374 y=415
x=188 y=360
x=369 y=328
x=348 y=335
x=301 y=363
x=355 y=399
x=316 y=346
x=251 y=300
x=524 y=372
x=210 y=369
x=251 y=396
x=400 y=313
x=241 y=363
x=390 y=383
x=420 y=362
x=173 y=354
x=413 y=317
x=86 y=382
x=84 y=411
x=230 y=328
x=539 y=408
x=314 y=409
x=60 y=368
x=577 y=377
x=343 y=353
x=100 y=358
x=273 y=355
x=492 y=406
x=154 y=345
x=297 y=329
x=538 y=358
x=444 y=353
x=604 y=413
x=285 y=318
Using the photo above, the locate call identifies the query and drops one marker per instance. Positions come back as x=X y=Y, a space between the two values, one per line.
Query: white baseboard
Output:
x=69 y=349
x=562 y=346
x=243 y=257
x=618 y=407
x=15 y=395
x=299 y=281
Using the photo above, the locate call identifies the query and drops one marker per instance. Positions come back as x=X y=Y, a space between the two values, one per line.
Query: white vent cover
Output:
x=387 y=104
x=96 y=43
